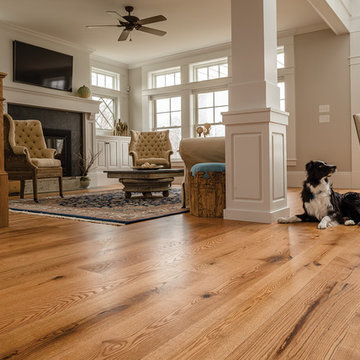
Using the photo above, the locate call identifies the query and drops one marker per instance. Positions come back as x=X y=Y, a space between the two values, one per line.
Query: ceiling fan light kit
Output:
x=130 y=22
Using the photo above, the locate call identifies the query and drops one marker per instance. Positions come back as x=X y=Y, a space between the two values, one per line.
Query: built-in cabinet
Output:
x=114 y=152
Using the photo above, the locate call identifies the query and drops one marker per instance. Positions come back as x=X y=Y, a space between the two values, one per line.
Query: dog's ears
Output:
x=309 y=166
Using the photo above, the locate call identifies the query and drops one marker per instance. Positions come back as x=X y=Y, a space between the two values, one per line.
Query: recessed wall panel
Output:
x=278 y=166
x=247 y=166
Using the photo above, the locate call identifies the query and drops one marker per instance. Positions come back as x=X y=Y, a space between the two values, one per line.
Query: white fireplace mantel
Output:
x=50 y=100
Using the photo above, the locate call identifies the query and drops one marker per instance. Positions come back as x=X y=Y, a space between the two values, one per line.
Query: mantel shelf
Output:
x=50 y=100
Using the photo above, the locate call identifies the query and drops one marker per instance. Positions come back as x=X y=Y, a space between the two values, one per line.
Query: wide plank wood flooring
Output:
x=179 y=287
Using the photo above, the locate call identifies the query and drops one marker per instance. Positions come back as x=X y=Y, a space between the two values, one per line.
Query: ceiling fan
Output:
x=130 y=22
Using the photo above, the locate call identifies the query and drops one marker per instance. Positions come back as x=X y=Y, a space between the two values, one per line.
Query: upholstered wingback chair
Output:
x=153 y=147
x=26 y=154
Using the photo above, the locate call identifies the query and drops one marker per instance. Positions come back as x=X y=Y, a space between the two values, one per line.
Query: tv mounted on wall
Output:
x=35 y=65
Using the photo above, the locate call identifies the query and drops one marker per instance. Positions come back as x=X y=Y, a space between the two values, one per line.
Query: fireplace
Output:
x=63 y=131
x=60 y=140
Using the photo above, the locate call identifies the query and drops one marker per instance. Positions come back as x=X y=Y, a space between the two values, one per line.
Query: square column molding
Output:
x=256 y=185
x=255 y=146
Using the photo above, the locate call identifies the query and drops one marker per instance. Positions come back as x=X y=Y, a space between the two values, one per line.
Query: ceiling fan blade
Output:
x=151 y=31
x=124 y=35
x=116 y=15
x=101 y=26
x=152 y=19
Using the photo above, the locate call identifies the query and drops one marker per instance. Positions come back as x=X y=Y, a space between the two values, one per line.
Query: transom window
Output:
x=209 y=106
x=280 y=57
x=167 y=116
x=105 y=119
x=166 y=78
x=104 y=79
x=214 y=70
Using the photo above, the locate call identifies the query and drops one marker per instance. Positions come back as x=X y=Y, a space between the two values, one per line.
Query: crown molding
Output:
x=12 y=27
x=302 y=30
x=108 y=61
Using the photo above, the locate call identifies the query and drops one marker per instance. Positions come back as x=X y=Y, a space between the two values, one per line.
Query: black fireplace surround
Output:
x=62 y=129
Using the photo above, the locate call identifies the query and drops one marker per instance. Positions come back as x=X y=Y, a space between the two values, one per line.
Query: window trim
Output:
x=195 y=115
x=114 y=75
x=115 y=100
x=165 y=72
x=194 y=67
x=176 y=155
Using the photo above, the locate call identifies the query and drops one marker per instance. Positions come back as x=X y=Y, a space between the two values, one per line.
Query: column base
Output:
x=255 y=152
x=255 y=215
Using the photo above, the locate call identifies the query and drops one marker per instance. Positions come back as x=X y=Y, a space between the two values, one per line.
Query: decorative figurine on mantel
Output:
x=121 y=129
x=204 y=130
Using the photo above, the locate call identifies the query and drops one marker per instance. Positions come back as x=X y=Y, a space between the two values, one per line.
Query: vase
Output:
x=84 y=92
x=84 y=182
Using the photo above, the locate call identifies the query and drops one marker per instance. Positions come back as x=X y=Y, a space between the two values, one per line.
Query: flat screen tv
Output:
x=35 y=65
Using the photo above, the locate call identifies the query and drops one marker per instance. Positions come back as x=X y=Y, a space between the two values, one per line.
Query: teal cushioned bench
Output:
x=206 y=168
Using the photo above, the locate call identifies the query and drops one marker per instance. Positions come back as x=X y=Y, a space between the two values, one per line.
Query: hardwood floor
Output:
x=179 y=287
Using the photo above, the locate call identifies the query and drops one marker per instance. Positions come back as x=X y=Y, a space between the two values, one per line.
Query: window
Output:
x=213 y=70
x=209 y=107
x=105 y=119
x=280 y=57
x=104 y=79
x=281 y=85
x=166 y=78
x=167 y=116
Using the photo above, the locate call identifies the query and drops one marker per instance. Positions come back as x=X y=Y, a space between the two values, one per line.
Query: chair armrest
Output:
x=20 y=150
x=134 y=156
x=167 y=155
x=19 y=154
x=48 y=153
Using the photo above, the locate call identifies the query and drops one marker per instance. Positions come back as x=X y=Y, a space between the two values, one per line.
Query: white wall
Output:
x=81 y=61
x=135 y=99
x=322 y=78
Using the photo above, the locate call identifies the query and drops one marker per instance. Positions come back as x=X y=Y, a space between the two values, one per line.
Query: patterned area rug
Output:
x=107 y=207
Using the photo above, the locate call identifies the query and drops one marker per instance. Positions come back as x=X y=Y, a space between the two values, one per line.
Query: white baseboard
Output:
x=340 y=180
x=255 y=216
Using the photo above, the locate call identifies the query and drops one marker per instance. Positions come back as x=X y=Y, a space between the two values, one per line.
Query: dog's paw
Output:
x=349 y=222
x=324 y=223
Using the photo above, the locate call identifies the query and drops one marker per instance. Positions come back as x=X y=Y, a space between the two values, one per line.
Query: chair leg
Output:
x=61 y=186
x=35 y=188
x=22 y=188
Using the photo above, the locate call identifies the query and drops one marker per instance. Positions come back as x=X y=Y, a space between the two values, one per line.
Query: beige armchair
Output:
x=26 y=154
x=153 y=147
x=199 y=150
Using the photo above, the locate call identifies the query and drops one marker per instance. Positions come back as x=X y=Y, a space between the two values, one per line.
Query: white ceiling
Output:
x=191 y=24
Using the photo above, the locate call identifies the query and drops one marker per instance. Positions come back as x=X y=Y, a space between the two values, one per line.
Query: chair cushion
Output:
x=206 y=168
x=44 y=163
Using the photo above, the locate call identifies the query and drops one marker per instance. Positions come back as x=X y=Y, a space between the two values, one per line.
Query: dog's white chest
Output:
x=321 y=204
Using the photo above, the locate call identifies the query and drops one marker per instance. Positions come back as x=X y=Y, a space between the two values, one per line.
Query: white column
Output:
x=255 y=147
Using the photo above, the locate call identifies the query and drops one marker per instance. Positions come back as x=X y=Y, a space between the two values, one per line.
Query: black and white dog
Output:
x=321 y=203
